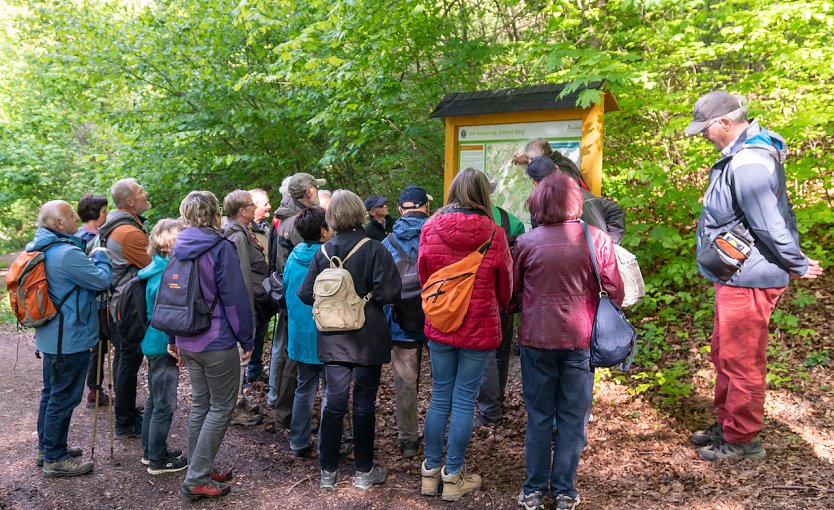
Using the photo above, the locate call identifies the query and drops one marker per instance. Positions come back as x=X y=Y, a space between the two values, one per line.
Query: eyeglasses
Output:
x=710 y=124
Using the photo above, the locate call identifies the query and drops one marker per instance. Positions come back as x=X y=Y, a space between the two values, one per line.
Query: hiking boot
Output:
x=431 y=480
x=103 y=398
x=167 y=465
x=73 y=451
x=565 y=502
x=170 y=453
x=458 y=485
x=244 y=419
x=726 y=450
x=710 y=435
x=409 y=449
x=365 y=479
x=302 y=453
x=329 y=479
x=481 y=421
x=67 y=467
x=211 y=490
x=222 y=476
x=534 y=501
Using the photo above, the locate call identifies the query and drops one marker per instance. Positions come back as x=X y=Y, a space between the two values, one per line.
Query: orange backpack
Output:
x=28 y=289
x=448 y=290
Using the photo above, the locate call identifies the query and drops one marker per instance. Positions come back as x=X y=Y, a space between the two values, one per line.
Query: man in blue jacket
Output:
x=407 y=345
x=748 y=246
x=69 y=272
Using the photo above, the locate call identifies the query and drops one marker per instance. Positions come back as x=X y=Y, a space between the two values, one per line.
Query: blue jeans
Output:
x=163 y=379
x=365 y=380
x=304 y=402
x=62 y=391
x=255 y=367
x=560 y=383
x=455 y=379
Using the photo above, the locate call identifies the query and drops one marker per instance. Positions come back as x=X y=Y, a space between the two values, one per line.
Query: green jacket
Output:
x=515 y=227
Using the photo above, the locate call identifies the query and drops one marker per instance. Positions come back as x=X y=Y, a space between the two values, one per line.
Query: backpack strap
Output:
x=592 y=251
x=340 y=262
x=400 y=252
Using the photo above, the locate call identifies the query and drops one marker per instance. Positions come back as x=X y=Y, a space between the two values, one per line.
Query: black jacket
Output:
x=373 y=270
x=378 y=232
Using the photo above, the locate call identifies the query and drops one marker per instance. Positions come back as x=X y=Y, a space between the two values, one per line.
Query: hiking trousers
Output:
x=739 y=353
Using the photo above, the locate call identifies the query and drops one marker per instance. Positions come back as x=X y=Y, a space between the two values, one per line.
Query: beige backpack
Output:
x=336 y=305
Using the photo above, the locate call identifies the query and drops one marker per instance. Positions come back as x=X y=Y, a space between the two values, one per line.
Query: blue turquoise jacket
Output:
x=747 y=187
x=303 y=343
x=407 y=235
x=155 y=342
x=69 y=270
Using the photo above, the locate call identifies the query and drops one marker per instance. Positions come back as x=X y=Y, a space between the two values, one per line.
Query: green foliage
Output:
x=198 y=94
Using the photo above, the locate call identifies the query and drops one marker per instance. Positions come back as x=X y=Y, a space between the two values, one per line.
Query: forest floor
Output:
x=639 y=455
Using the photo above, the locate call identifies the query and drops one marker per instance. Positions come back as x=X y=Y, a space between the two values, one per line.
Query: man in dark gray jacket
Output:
x=302 y=193
x=748 y=246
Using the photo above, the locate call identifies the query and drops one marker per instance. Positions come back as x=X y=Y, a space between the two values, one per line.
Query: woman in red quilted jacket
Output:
x=555 y=284
x=458 y=358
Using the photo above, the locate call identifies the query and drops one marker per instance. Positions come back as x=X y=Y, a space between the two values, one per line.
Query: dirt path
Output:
x=638 y=456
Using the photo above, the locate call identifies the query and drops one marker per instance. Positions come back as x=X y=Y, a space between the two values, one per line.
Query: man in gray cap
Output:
x=748 y=246
x=302 y=193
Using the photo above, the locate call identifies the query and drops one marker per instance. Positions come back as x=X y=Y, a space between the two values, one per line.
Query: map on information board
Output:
x=491 y=149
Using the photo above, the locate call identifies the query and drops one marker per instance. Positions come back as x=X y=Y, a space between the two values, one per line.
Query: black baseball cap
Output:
x=711 y=106
x=540 y=167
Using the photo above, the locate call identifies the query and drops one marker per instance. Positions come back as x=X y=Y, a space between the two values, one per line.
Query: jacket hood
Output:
x=45 y=236
x=409 y=227
x=755 y=135
x=304 y=253
x=117 y=217
x=193 y=242
x=289 y=207
x=463 y=231
x=157 y=265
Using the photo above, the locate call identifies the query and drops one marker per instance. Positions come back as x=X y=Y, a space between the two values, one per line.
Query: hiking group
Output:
x=350 y=289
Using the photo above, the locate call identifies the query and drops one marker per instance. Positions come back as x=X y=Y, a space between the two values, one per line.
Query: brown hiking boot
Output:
x=431 y=480
x=103 y=398
x=458 y=485
x=67 y=467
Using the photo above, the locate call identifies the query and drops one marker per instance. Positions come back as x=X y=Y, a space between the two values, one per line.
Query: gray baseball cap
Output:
x=711 y=106
x=301 y=182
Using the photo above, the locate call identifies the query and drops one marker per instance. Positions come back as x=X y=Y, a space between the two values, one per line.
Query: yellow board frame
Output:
x=590 y=145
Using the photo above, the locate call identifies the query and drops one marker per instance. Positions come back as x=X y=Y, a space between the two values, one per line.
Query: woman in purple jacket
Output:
x=212 y=357
x=555 y=284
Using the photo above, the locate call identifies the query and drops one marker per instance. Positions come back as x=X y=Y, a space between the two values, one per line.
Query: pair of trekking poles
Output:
x=104 y=338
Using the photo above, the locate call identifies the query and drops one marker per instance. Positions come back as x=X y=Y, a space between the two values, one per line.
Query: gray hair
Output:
x=537 y=147
x=235 y=201
x=50 y=213
x=739 y=115
x=285 y=186
x=163 y=235
x=121 y=190
x=346 y=211
x=200 y=209
x=325 y=193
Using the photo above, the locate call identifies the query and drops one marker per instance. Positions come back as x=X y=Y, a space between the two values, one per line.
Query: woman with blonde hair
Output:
x=461 y=227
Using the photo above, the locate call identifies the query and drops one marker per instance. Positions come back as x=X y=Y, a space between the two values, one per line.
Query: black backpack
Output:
x=132 y=312
x=180 y=308
x=408 y=311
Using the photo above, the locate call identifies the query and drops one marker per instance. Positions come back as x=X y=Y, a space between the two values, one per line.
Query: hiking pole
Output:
x=419 y=362
x=109 y=375
x=98 y=393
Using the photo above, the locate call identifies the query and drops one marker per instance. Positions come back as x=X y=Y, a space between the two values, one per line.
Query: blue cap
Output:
x=374 y=201
x=540 y=167
x=413 y=197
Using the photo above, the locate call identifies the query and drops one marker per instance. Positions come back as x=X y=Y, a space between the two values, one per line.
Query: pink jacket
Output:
x=447 y=238
x=554 y=283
